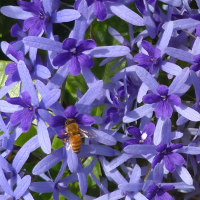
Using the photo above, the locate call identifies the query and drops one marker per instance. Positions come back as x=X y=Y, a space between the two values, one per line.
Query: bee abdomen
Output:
x=76 y=142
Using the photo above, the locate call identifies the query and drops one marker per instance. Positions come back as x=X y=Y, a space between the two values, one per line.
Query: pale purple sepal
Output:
x=150 y=24
x=5 y=89
x=65 y=15
x=178 y=82
x=188 y=112
x=136 y=174
x=139 y=196
x=117 y=194
x=42 y=72
x=184 y=175
x=185 y=23
x=43 y=43
x=104 y=137
x=140 y=149
x=179 y=54
x=166 y=36
x=82 y=178
x=95 y=149
x=22 y=186
x=43 y=136
x=49 y=161
x=195 y=47
x=59 y=77
x=142 y=91
x=175 y=3
x=126 y=14
x=87 y=99
x=7 y=107
x=189 y=150
x=4 y=183
x=15 y=12
x=161 y=131
x=171 y=68
x=118 y=161
x=72 y=160
x=89 y=77
x=147 y=78
x=118 y=36
x=131 y=187
x=180 y=185
x=138 y=113
x=49 y=99
x=42 y=187
x=108 y=51
x=158 y=173
x=27 y=82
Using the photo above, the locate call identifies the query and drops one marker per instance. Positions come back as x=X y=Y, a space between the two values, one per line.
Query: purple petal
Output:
x=100 y=10
x=74 y=66
x=26 y=98
x=70 y=112
x=157 y=159
x=148 y=47
x=16 y=101
x=16 y=117
x=10 y=68
x=149 y=129
x=163 y=196
x=69 y=44
x=142 y=59
x=130 y=142
x=86 y=45
x=57 y=121
x=85 y=120
x=170 y=166
x=174 y=99
x=85 y=60
x=32 y=24
x=151 y=98
x=62 y=58
x=27 y=120
x=163 y=109
x=162 y=90
x=134 y=131
x=196 y=58
x=176 y=158
x=161 y=147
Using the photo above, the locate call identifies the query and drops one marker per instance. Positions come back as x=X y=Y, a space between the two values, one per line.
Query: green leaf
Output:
x=57 y=143
x=3 y=76
x=24 y=137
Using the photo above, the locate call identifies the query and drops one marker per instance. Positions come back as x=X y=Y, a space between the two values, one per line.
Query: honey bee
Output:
x=74 y=134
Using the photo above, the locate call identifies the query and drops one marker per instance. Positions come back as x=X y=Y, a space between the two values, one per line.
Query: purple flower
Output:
x=140 y=137
x=75 y=55
x=148 y=61
x=25 y=116
x=159 y=192
x=70 y=112
x=163 y=100
x=196 y=67
x=171 y=159
x=99 y=8
x=37 y=23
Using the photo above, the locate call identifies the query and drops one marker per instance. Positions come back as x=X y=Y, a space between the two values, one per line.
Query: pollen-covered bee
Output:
x=74 y=134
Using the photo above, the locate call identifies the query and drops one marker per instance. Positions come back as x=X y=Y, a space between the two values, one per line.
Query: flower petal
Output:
x=74 y=66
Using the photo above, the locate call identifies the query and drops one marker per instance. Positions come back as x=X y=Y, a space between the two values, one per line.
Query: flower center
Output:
x=74 y=51
x=164 y=98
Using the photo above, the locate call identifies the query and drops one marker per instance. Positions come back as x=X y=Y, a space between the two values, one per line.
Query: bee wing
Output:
x=86 y=134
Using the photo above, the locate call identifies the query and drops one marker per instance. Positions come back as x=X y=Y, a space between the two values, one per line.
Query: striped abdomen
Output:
x=75 y=142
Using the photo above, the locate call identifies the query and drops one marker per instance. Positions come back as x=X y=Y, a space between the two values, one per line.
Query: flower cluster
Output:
x=102 y=94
